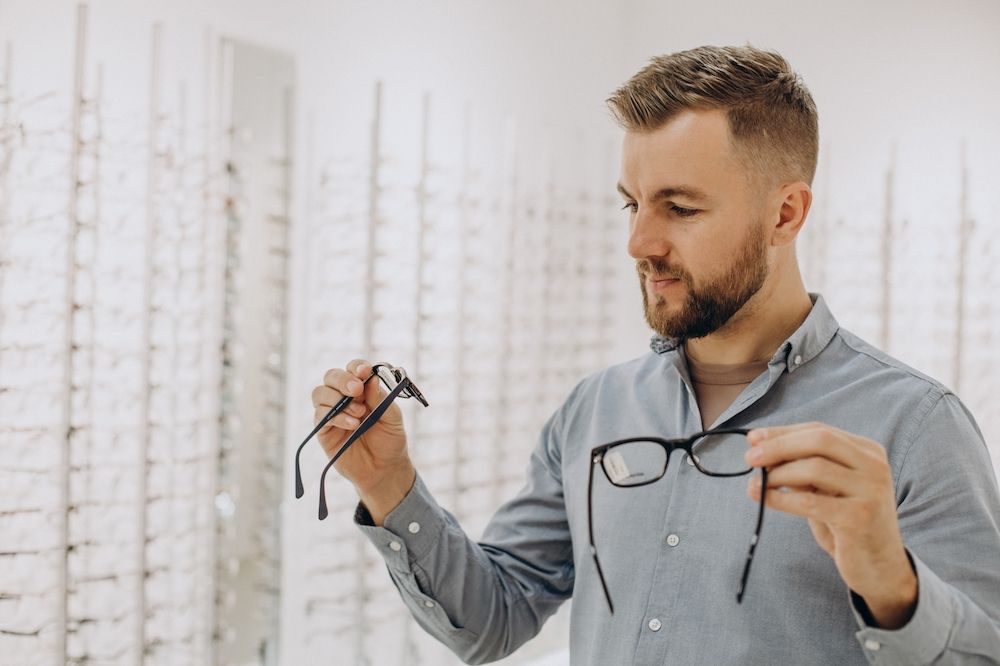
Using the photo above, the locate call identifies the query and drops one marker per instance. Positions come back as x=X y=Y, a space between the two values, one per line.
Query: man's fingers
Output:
x=824 y=508
x=826 y=475
x=360 y=368
x=823 y=535
x=342 y=381
x=374 y=393
x=324 y=398
x=342 y=420
x=759 y=434
x=356 y=408
x=777 y=446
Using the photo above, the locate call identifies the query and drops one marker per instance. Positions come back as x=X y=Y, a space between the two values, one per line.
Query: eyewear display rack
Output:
x=110 y=429
x=922 y=271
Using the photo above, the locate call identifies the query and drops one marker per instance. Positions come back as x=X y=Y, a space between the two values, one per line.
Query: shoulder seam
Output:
x=936 y=391
x=902 y=367
x=927 y=405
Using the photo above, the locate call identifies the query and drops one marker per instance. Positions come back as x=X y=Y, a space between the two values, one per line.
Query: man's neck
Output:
x=757 y=330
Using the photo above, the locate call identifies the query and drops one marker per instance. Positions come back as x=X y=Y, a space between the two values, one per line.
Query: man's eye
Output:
x=631 y=207
x=684 y=212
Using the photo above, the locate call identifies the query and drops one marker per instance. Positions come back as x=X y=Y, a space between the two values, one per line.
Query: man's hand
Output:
x=842 y=484
x=377 y=464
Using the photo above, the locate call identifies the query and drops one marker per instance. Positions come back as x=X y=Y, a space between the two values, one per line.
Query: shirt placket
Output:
x=671 y=559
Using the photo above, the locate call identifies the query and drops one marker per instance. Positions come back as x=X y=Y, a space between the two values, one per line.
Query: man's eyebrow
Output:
x=685 y=191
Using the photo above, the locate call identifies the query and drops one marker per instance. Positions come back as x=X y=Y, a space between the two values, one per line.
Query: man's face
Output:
x=695 y=225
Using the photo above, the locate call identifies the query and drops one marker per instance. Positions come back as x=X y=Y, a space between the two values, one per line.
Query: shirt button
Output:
x=797 y=360
x=673 y=540
x=429 y=604
x=395 y=546
x=872 y=644
x=655 y=624
x=414 y=527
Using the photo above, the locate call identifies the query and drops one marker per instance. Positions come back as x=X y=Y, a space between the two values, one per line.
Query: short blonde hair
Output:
x=772 y=117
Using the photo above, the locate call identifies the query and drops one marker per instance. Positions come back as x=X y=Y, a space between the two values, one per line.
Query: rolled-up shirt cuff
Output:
x=409 y=531
x=923 y=638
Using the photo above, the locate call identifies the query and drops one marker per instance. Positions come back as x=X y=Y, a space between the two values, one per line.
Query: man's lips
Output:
x=660 y=282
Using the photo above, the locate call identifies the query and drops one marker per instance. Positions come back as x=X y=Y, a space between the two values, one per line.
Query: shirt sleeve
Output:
x=949 y=516
x=483 y=600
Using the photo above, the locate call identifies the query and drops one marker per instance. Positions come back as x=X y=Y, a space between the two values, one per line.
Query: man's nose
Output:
x=647 y=236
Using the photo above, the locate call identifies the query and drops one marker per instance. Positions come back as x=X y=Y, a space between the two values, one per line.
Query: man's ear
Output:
x=794 y=200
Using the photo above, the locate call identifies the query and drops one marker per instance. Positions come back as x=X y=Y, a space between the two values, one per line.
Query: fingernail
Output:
x=354 y=386
x=754 y=455
x=758 y=435
x=353 y=422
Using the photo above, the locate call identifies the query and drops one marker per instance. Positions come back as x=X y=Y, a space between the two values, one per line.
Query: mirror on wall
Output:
x=257 y=93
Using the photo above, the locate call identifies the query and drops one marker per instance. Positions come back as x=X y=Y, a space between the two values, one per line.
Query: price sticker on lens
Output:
x=614 y=464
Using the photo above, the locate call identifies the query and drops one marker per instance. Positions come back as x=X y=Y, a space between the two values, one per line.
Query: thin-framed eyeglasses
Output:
x=639 y=461
x=398 y=384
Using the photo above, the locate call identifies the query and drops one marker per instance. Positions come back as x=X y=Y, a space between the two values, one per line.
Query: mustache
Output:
x=659 y=269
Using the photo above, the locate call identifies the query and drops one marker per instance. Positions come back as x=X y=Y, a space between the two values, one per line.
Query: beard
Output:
x=709 y=307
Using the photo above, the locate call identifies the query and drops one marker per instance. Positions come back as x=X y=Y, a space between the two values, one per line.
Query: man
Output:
x=881 y=541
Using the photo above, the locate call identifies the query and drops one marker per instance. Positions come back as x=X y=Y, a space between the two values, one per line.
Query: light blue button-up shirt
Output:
x=672 y=551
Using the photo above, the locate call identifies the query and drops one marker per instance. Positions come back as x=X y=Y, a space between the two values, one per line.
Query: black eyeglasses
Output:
x=638 y=461
x=398 y=384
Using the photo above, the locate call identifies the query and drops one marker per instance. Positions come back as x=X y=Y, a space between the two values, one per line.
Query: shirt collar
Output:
x=811 y=337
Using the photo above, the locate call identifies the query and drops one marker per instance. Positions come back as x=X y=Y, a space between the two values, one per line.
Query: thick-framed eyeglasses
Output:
x=398 y=385
x=639 y=461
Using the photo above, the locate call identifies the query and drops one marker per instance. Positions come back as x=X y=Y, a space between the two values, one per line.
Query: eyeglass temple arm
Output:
x=595 y=461
x=755 y=538
x=336 y=409
x=717 y=431
x=370 y=420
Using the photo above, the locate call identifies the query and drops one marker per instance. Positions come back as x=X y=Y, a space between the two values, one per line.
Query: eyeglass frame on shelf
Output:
x=404 y=387
x=597 y=455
